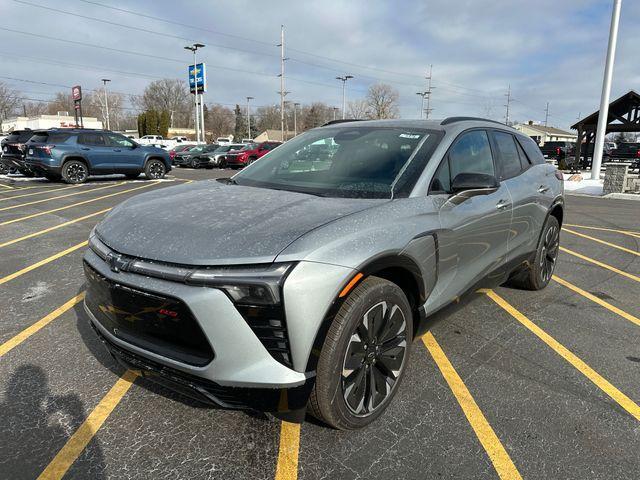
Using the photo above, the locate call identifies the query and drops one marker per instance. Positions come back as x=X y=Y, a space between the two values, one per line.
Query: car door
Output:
x=472 y=241
x=125 y=155
x=515 y=172
x=93 y=146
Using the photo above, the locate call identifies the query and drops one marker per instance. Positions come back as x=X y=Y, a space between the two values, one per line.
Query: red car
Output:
x=248 y=154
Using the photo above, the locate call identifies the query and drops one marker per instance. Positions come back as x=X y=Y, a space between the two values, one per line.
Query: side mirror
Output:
x=474 y=181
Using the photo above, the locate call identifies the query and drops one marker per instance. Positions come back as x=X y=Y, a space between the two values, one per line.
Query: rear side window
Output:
x=19 y=136
x=508 y=157
x=532 y=150
x=46 y=137
x=95 y=139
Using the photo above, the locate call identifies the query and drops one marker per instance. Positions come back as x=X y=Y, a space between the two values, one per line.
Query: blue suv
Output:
x=74 y=154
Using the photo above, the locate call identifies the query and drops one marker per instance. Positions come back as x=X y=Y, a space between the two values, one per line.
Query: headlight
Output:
x=250 y=286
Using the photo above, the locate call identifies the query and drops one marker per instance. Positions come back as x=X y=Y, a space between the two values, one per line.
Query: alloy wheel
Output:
x=374 y=358
x=156 y=169
x=549 y=254
x=76 y=172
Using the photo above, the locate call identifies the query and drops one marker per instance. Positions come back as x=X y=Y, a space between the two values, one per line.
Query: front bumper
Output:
x=242 y=373
x=235 y=161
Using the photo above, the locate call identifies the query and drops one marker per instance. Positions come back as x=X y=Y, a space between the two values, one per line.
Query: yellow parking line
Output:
x=6 y=186
x=40 y=324
x=14 y=275
x=287 y=467
x=83 y=435
x=600 y=264
x=55 y=227
x=612 y=245
x=599 y=301
x=35 y=202
x=603 y=229
x=620 y=398
x=37 y=193
x=499 y=457
x=91 y=200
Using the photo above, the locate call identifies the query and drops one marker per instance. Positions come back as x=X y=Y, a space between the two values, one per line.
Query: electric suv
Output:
x=309 y=295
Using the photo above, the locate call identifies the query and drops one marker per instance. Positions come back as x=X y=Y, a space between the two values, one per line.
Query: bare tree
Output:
x=219 y=120
x=62 y=102
x=316 y=114
x=169 y=95
x=382 y=100
x=358 y=109
x=9 y=101
x=268 y=118
x=33 y=109
x=98 y=107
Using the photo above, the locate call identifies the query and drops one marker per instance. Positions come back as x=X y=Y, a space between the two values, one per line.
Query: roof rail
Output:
x=450 y=120
x=342 y=120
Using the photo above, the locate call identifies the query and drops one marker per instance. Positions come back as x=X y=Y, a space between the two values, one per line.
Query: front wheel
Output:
x=537 y=275
x=75 y=171
x=363 y=359
x=155 y=169
x=195 y=163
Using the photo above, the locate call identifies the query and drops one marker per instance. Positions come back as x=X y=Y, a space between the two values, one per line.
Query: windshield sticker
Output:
x=409 y=135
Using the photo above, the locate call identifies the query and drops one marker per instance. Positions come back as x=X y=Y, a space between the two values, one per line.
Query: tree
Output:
x=219 y=120
x=623 y=137
x=151 y=122
x=9 y=101
x=170 y=95
x=240 y=130
x=316 y=114
x=268 y=118
x=163 y=123
x=33 y=109
x=358 y=109
x=62 y=102
x=382 y=100
x=96 y=107
x=142 y=124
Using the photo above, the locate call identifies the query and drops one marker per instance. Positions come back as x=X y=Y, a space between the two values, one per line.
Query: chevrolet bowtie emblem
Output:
x=116 y=262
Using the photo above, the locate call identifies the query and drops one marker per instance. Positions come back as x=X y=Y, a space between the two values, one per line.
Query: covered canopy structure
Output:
x=624 y=116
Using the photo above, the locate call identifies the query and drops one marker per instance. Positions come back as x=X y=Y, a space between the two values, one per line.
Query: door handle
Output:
x=85 y=148
x=117 y=150
x=502 y=204
x=543 y=189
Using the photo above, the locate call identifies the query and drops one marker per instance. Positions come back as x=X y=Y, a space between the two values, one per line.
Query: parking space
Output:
x=507 y=383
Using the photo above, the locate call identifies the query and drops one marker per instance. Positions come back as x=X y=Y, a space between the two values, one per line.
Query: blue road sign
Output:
x=198 y=78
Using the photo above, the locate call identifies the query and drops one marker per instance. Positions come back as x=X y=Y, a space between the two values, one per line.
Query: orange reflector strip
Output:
x=350 y=285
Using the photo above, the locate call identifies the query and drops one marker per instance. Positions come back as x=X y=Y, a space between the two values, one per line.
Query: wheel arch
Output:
x=74 y=156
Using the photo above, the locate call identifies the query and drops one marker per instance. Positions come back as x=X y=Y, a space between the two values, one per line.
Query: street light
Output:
x=106 y=101
x=295 y=122
x=249 y=117
x=344 y=79
x=194 y=48
x=423 y=95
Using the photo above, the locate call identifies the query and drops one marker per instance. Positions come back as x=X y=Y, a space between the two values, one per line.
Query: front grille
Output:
x=268 y=324
x=158 y=324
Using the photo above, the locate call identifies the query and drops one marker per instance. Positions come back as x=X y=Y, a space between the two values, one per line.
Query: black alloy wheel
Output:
x=155 y=169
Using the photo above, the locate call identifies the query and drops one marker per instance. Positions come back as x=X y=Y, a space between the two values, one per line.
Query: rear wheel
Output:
x=195 y=163
x=155 y=169
x=75 y=171
x=251 y=160
x=364 y=356
x=537 y=275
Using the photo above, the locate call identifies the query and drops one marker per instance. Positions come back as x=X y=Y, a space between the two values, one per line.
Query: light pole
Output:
x=194 y=48
x=106 y=101
x=423 y=95
x=344 y=79
x=603 y=114
x=295 y=121
x=249 y=117
x=335 y=109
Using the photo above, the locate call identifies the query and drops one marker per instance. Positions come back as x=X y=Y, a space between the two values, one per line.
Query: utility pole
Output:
x=508 y=95
x=603 y=115
x=193 y=48
x=282 y=91
x=106 y=101
x=428 y=93
x=335 y=109
x=295 y=121
x=423 y=95
x=344 y=79
x=546 y=115
x=249 y=117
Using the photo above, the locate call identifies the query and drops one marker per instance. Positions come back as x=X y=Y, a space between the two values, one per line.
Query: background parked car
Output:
x=626 y=151
x=249 y=154
x=216 y=158
x=14 y=151
x=74 y=154
x=179 y=148
x=194 y=157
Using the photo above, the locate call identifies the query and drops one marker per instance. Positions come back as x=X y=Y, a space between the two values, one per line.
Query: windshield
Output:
x=196 y=149
x=249 y=146
x=357 y=162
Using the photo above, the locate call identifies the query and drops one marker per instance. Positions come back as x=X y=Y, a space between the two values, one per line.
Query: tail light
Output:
x=47 y=149
x=559 y=176
x=638 y=154
x=558 y=150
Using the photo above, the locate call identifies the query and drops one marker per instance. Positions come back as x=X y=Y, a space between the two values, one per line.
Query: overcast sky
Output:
x=547 y=50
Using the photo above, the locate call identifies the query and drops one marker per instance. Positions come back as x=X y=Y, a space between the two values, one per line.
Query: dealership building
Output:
x=41 y=122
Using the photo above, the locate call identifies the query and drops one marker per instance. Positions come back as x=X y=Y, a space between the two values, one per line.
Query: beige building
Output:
x=41 y=122
x=273 y=136
x=542 y=134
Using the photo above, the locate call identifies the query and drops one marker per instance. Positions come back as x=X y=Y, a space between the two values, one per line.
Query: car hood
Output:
x=209 y=223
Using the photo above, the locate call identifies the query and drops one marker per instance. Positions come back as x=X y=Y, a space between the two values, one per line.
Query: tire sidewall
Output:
x=535 y=271
x=65 y=170
x=148 y=166
x=370 y=292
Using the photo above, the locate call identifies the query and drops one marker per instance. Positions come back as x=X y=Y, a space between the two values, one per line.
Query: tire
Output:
x=537 y=275
x=251 y=160
x=341 y=396
x=195 y=163
x=132 y=176
x=74 y=172
x=155 y=169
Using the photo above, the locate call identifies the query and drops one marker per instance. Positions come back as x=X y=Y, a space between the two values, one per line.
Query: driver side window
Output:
x=119 y=140
x=471 y=153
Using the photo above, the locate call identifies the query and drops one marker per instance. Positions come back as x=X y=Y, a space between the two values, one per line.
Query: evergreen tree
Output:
x=151 y=122
x=163 y=124
x=240 y=131
x=142 y=124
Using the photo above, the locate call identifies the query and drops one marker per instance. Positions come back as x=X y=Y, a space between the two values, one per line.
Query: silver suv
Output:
x=301 y=282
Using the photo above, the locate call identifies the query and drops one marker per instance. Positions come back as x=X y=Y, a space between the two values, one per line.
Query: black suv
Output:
x=14 y=151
